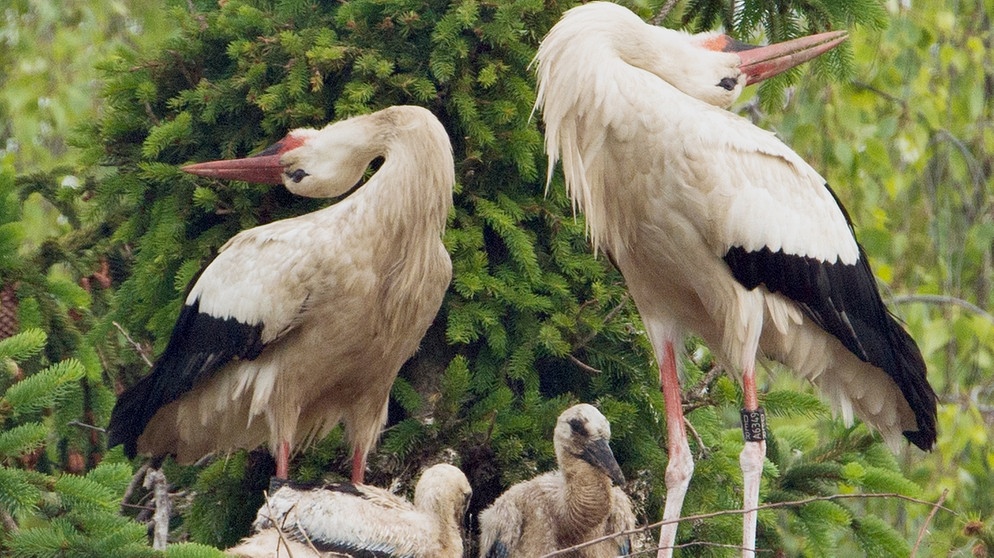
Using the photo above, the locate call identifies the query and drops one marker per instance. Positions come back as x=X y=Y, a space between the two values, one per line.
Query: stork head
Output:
x=709 y=67
x=582 y=432
x=321 y=163
x=736 y=64
x=444 y=490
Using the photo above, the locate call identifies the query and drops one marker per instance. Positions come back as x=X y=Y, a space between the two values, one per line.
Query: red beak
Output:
x=759 y=63
x=264 y=168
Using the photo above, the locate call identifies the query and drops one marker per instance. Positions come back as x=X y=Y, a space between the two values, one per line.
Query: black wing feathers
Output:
x=200 y=345
x=843 y=300
x=498 y=550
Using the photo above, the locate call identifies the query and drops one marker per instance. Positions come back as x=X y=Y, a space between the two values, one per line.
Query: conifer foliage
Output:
x=533 y=322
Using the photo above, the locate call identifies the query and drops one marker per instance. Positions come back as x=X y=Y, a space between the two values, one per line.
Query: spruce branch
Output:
x=608 y=318
x=937 y=505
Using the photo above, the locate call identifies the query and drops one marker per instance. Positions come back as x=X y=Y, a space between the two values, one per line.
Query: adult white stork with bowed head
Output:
x=720 y=229
x=303 y=323
x=357 y=520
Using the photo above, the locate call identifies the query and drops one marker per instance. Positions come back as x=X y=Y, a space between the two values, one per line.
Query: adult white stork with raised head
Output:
x=357 y=520
x=720 y=229
x=303 y=323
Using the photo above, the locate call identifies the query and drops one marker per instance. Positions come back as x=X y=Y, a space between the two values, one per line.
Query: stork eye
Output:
x=297 y=175
x=578 y=427
x=728 y=83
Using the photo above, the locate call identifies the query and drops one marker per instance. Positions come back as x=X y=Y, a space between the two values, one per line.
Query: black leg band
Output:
x=753 y=425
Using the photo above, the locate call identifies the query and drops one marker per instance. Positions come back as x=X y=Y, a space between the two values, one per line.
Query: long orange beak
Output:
x=264 y=168
x=763 y=62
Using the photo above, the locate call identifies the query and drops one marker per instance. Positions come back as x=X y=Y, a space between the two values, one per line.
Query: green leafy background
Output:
x=101 y=101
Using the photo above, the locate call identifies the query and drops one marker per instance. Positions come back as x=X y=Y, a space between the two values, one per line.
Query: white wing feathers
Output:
x=742 y=185
x=764 y=194
x=260 y=276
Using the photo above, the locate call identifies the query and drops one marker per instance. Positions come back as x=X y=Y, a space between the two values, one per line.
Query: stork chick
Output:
x=358 y=520
x=566 y=507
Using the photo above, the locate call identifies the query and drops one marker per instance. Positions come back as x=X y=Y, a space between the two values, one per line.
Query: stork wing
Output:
x=251 y=294
x=352 y=519
x=621 y=518
x=501 y=524
x=776 y=223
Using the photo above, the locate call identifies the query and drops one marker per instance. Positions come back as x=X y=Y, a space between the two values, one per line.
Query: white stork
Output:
x=303 y=323
x=720 y=229
x=563 y=508
x=357 y=520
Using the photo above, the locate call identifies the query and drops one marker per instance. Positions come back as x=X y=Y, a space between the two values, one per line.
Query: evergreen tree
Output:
x=533 y=321
x=57 y=513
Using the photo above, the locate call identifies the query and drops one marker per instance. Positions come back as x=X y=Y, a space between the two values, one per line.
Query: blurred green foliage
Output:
x=533 y=322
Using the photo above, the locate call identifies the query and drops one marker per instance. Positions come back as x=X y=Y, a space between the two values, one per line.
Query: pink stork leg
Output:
x=283 y=461
x=358 y=466
x=681 y=465
x=751 y=458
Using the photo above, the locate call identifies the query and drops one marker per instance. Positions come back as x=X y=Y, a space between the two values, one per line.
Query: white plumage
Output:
x=719 y=228
x=304 y=323
x=566 y=507
x=348 y=519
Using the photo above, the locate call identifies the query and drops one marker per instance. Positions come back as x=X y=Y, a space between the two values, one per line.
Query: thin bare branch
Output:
x=702 y=450
x=9 y=525
x=928 y=520
x=663 y=12
x=138 y=477
x=943 y=299
x=155 y=480
x=655 y=549
x=87 y=426
x=138 y=348
x=583 y=365
x=775 y=505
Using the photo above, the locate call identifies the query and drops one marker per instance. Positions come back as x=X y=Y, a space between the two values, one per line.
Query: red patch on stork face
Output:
x=288 y=143
x=716 y=43
x=724 y=43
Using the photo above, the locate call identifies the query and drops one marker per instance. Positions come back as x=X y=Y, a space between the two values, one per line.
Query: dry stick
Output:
x=701 y=448
x=155 y=480
x=661 y=15
x=943 y=299
x=936 y=505
x=931 y=514
x=708 y=544
x=583 y=365
x=8 y=522
x=138 y=348
x=84 y=425
x=281 y=526
x=137 y=478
